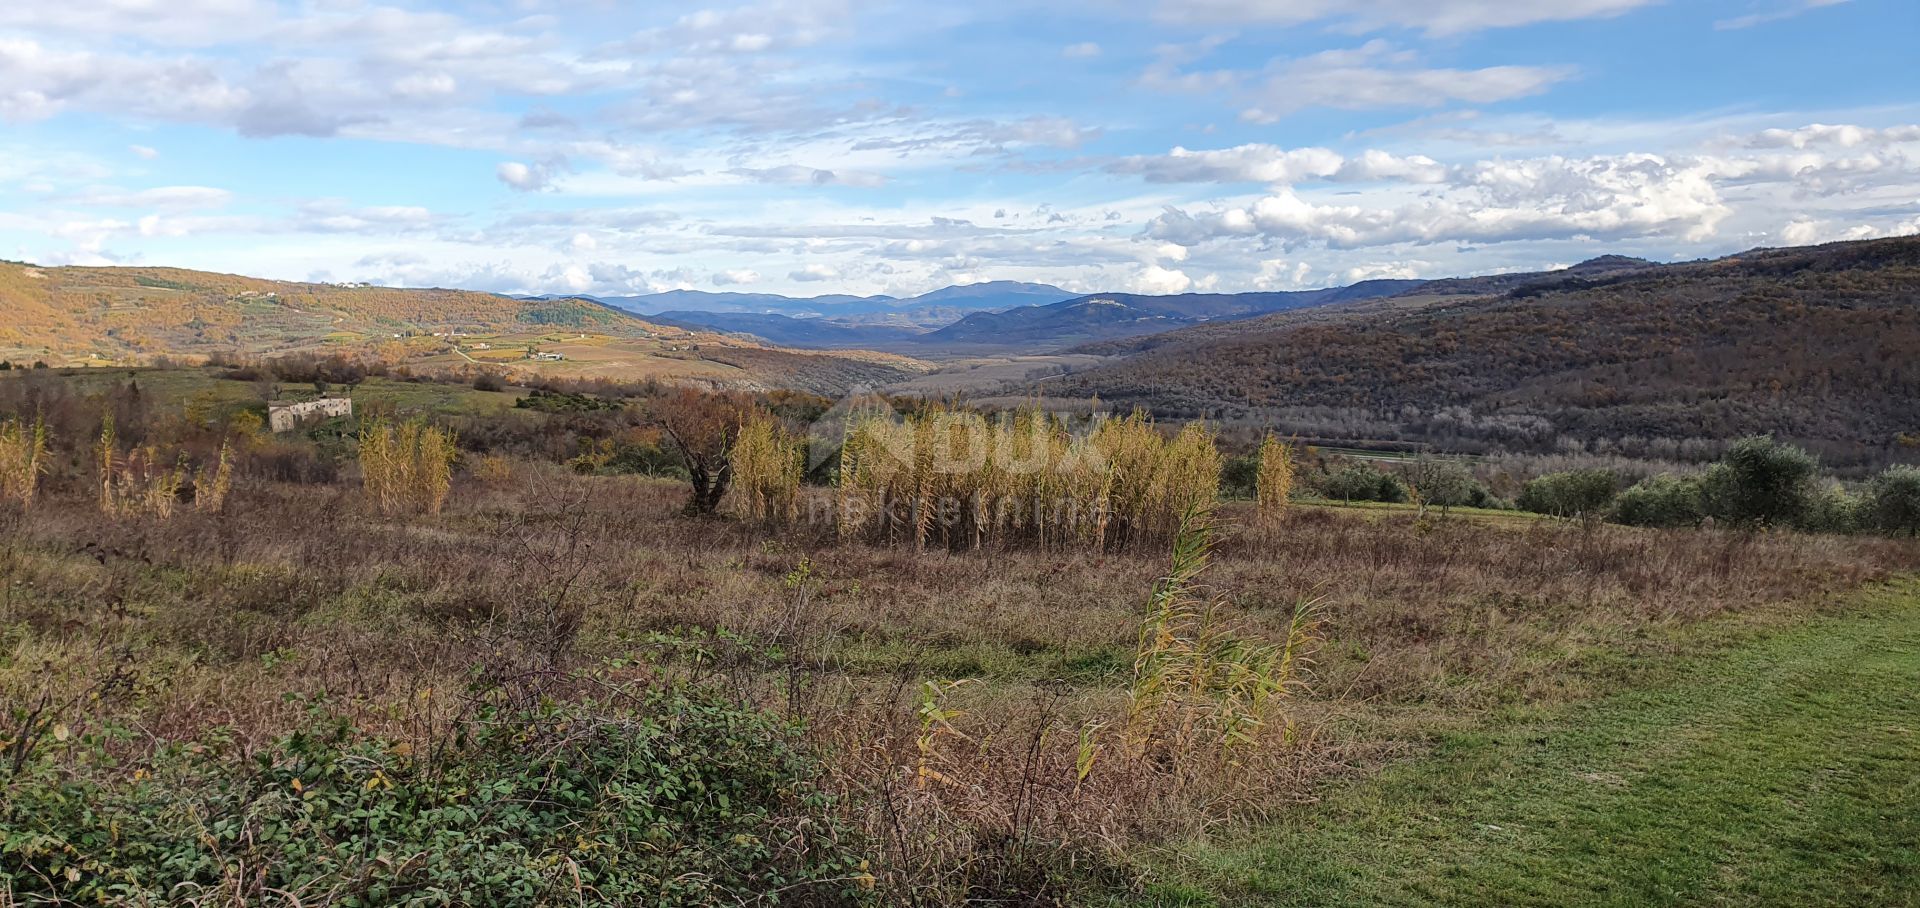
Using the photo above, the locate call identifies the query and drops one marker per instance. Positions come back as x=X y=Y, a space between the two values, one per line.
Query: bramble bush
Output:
x=677 y=799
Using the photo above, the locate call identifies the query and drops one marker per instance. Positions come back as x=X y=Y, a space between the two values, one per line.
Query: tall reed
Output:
x=23 y=457
x=1199 y=685
x=213 y=490
x=959 y=480
x=1273 y=482
x=767 y=464
x=406 y=468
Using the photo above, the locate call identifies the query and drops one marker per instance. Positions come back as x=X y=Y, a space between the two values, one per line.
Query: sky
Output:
x=863 y=146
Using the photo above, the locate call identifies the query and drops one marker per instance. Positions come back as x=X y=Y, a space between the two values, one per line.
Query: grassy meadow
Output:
x=554 y=685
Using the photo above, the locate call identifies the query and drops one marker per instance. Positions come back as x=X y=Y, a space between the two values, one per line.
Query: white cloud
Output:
x=1082 y=51
x=1270 y=164
x=1490 y=202
x=421 y=86
x=144 y=152
x=1373 y=76
x=796 y=175
x=1376 y=76
x=1774 y=15
x=169 y=198
x=524 y=177
x=1436 y=17
x=1153 y=279
x=1279 y=274
x=1819 y=134
x=814 y=273
x=734 y=276
x=1373 y=271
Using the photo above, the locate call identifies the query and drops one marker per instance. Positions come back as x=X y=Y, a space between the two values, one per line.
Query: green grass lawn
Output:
x=1784 y=771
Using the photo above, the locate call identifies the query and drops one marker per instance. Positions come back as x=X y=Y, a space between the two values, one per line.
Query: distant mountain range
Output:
x=787 y=331
x=1106 y=316
x=994 y=316
x=881 y=309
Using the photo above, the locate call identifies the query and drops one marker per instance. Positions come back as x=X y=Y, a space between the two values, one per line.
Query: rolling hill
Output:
x=1817 y=344
x=85 y=315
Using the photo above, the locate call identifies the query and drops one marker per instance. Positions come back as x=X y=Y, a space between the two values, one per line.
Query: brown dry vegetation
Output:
x=1817 y=345
x=1012 y=786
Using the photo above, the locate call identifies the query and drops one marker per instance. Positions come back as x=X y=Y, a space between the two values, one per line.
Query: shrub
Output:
x=1893 y=500
x=1660 y=501
x=1832 y=509
x=140 y=482
x=1359 y=482
x=1760 y=482
x=1240 y=476
x=1575 y=493
x=1444 y=483
x=677 y=800
x=489 y=381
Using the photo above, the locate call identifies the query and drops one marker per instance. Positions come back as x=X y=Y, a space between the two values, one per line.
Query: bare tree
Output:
x=703 y=427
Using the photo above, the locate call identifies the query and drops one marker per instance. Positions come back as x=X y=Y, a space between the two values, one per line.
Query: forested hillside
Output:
x=1817 y=344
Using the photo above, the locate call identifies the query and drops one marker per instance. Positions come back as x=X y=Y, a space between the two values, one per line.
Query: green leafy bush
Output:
x=679 y=800
x=1760 y=482
x=1660 y=501
x=1571 y=494
x=1359 y=482
x=1832 y=509
x=1239 y=476
x=1893 y=500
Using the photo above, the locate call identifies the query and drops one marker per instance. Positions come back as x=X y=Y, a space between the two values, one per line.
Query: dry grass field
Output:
x=300 y=595
x=349 y=671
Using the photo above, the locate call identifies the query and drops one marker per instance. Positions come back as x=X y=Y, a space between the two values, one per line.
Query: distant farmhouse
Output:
x=289 y=416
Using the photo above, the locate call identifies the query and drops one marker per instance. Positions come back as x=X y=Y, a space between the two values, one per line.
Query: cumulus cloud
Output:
x=1820 y=134
x=1154 y=279
x=814 y=273
x=1270 y=164
x=734 y=276
x=524 y=177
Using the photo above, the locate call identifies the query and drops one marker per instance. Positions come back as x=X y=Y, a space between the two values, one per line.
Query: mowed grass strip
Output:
x=1785 y=771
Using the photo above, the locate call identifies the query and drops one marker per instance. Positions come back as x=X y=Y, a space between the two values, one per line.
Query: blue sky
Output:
x=815 y=146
